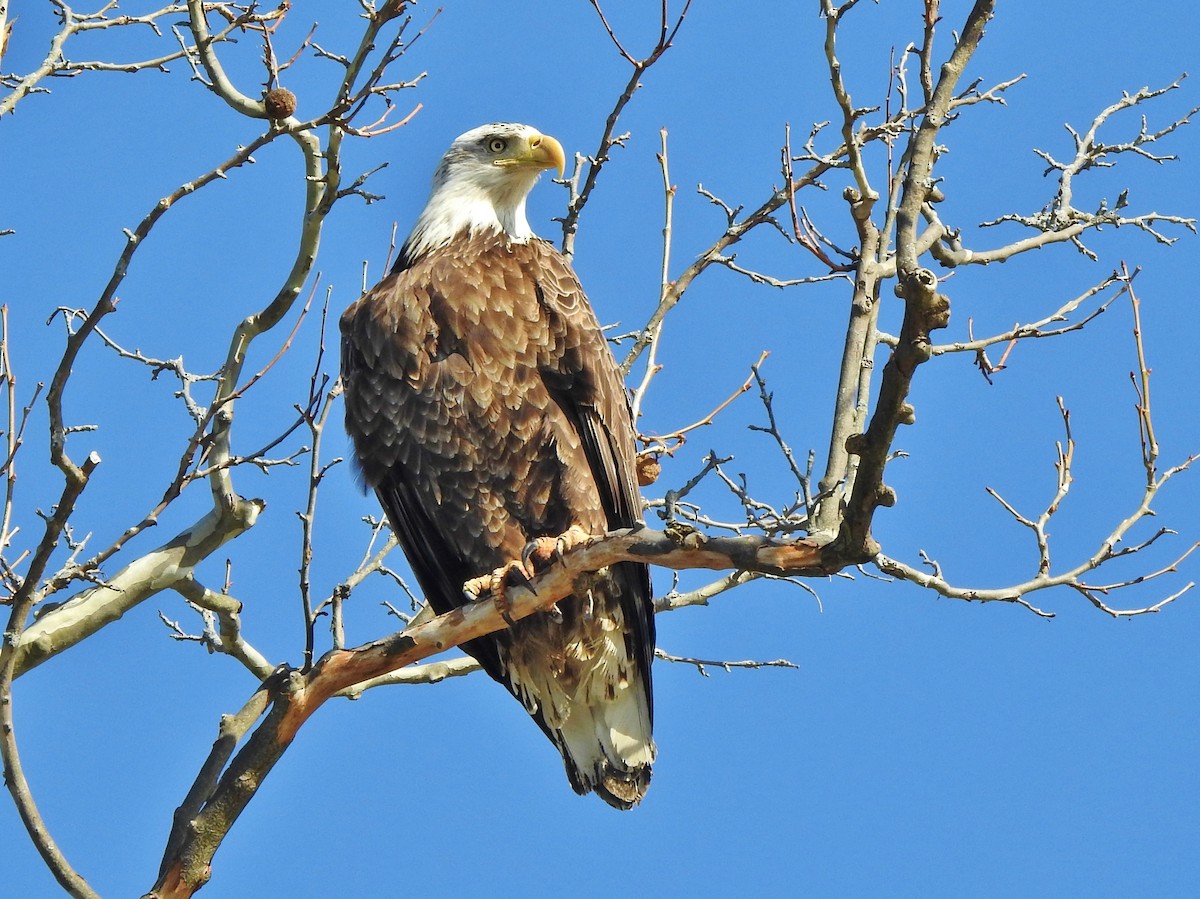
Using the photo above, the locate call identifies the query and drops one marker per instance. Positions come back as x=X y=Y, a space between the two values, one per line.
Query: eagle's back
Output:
x=486 y=410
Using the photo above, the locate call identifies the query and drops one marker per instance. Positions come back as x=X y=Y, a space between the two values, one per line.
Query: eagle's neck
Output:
x=491 y=202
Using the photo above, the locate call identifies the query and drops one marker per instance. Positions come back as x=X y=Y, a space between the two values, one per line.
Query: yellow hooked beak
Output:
x=544 y=152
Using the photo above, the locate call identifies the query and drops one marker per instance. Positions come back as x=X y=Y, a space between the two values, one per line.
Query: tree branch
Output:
x=924 y=309
x=295 y=695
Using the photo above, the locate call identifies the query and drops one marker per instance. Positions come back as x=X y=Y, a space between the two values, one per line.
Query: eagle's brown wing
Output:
x=486 y=410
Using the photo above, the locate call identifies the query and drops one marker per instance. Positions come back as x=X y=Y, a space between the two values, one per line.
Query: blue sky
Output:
x=925 y=747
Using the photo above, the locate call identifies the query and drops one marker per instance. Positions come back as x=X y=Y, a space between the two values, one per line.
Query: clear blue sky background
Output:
x=925 y=747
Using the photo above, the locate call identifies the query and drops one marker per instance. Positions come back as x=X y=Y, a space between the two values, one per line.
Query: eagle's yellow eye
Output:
x=497 y=144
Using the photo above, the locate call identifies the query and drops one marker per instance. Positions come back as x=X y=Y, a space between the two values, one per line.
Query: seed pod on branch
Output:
x=280 y=103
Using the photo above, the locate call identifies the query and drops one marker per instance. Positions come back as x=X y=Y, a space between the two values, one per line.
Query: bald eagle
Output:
x=486 y=411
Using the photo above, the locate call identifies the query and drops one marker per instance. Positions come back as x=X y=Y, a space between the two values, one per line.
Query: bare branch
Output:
x=669 y=443
x=1060 y=221
x=22 y=605
x=215 y=803
x=925 y=310
x=1110 y=547
x=702 y=665
x=228 y=613
x=316 y=422
x=56 y=63
x=1033 y=330
x=1141 y=384
x=609 y=137
x=430 y=673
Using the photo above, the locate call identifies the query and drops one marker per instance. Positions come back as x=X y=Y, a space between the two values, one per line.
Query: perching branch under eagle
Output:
x=488 y=415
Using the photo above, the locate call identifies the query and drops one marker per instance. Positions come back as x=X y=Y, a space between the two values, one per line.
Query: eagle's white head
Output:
x=481 y=185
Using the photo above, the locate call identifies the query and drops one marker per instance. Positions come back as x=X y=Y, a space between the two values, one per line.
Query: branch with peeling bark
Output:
x=290 y=697
x=215 y=803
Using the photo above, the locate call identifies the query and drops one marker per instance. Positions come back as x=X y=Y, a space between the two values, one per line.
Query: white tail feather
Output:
x=593 y=700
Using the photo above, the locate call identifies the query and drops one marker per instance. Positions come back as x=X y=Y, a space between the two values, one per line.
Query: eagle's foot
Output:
x=495 y=587
x=539 y=554
x=543 y=552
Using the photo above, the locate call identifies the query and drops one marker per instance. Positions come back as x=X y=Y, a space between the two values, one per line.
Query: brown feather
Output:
x=486 y=410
